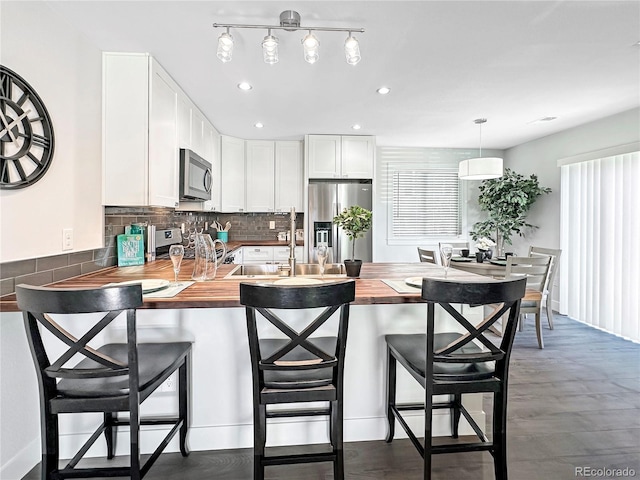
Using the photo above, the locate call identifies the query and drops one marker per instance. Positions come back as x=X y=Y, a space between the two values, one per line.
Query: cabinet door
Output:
x=197 y=132
x=212 y=154
x=163 y=139
x=232 y=174
x=281 y=254
x=184 y=121
x=323 y=155
x=358 y=153
x=257 y=255
x=289 y=177
x=260 y=176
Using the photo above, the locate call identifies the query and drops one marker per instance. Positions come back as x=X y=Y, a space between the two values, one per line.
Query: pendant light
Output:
x=311 y=47
x=225 y=47
x=352 y=50
x=480 y=168
x=270 y=49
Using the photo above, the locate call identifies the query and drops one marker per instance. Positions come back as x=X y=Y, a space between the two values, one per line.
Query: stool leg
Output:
x=336 y=439
x=110 y=433
x=183 y=404
x=134 y=435
x=455 y=415
x=500 y=435
x=50 y=443
x=259 y=440
x=428 y=434
x=391 y=394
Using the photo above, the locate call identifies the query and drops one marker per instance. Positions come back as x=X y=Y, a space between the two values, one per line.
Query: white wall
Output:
x=541 y=156
x=66 y=71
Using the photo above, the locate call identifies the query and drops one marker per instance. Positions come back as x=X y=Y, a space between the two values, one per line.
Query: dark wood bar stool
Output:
x=455 y=364
x=297 y=367
x=112 y=378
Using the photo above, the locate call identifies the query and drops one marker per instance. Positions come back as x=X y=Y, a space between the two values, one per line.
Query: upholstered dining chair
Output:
x=112 y=378
x=298 y=366
x=535 y=270
x=454 y=364
x=547 y=294
x=428 y=256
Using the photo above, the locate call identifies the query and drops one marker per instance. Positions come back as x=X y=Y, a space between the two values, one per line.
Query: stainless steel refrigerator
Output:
x=326 y=200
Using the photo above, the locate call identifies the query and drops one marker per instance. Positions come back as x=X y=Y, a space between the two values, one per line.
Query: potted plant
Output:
x=507 y=201
x=355 y=221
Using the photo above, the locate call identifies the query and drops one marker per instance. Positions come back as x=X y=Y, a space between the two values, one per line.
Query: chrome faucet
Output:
x=292 y=243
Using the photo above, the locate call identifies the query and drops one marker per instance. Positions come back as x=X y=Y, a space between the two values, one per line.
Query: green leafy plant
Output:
x=355 y=221
x=507 y=201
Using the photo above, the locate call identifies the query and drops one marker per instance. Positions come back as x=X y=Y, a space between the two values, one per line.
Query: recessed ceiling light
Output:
x=244 y=86
x=383 y=90
x=356 y=127
x=259 y=125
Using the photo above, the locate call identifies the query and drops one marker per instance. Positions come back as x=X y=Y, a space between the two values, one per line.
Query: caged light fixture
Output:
x=290 y=21
x=480 y=168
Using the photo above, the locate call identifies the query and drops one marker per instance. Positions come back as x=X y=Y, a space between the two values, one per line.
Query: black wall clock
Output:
x=26 y=133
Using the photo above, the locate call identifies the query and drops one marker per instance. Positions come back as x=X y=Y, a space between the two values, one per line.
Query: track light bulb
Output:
x=352 y=50
x=225 y=47
x=270 y=49
x=311 y=47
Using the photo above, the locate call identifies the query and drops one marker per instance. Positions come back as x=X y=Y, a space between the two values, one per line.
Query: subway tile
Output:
x=50 y=263
x=80 y=257
x=20 y=267
x=66 y=272
x=7 y=286
x=101 y=253
x=113 y=220
x=39 y=278
x=106 y=261
x=88 y=267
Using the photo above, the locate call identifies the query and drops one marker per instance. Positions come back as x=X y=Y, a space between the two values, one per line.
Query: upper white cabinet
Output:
x=335 y=156
x=274 y=176
x=232 y=174
x=260 y=185
x=140 y=132
x=289 y=177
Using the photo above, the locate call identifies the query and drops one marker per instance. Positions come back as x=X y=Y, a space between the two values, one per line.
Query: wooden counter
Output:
x=221 y=292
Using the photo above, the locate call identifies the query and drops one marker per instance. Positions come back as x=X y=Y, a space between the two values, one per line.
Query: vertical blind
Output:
x=425 y=203
x=600 y=240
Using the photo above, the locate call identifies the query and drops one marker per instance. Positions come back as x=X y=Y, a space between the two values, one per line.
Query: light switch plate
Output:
x=67 y=239
x=272 y=225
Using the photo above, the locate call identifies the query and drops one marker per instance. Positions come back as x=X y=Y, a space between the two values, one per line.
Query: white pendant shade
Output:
x=481 y=168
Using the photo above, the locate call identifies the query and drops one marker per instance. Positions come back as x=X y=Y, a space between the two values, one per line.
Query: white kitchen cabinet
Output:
x=269 y=254
x=260 y=175
x=274 y=181
x=340 y=157
x=140 y=150
x=289 y=177
x=281 y=254
x=198 y=132
x=184 y=121
x=232 y=163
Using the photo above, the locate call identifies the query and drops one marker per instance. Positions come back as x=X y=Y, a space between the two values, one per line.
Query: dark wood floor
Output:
x=574 y=404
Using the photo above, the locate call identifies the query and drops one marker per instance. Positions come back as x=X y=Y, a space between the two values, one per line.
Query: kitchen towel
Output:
x=401 y=287
x=171 y=291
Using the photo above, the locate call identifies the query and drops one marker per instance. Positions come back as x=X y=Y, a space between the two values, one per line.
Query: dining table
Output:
x=495 y=268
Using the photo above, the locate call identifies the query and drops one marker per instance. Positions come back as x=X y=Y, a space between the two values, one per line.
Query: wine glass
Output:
x=445 y=255
x=176 y=252
x=322 y=252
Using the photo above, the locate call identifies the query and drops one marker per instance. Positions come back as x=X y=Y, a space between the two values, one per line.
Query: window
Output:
x=425 y=203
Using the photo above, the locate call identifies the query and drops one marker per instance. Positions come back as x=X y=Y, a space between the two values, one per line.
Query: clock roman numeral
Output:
x=40 y=140
x=5 y=85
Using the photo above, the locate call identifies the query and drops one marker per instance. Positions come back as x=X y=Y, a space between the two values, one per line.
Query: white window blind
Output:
x=600 y=240
x=425 y=203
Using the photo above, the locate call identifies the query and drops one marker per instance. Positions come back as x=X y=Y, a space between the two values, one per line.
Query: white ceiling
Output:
x=447 y=63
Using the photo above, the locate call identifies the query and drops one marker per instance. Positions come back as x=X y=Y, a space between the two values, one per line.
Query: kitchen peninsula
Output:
x=210 y=315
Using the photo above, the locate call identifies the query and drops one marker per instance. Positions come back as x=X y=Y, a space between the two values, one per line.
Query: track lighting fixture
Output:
x=290 y=21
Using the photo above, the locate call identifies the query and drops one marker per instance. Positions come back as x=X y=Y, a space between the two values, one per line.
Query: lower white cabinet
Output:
x=268 y=254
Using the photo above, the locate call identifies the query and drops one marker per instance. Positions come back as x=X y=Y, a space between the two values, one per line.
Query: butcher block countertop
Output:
x=221 y=292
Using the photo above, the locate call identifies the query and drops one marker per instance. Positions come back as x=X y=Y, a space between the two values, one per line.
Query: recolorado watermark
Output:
x=596 y=472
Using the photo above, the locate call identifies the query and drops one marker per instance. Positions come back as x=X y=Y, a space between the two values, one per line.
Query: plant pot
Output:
x=353 y=267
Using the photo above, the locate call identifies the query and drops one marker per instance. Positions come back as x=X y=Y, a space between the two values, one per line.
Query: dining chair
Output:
x=428 y=256
x=535 y=270
x=297 y=366
x=112 y=378
x=454 y=364
x=551 y=276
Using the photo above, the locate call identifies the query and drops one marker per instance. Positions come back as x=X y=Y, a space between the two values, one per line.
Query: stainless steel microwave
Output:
x=195 y=176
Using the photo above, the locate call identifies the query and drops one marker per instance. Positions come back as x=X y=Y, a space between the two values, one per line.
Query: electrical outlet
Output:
x=169 y=385
x=67 y=239
x=272 y=225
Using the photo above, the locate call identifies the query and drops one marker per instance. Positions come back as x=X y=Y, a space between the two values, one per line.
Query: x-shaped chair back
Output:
x=265 y=298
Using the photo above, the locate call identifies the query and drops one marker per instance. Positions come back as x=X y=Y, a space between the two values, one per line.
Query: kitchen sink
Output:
x=272 y=270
